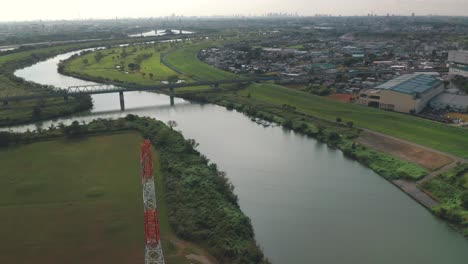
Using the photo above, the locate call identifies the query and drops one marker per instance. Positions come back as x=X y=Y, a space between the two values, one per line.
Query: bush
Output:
x=75 y=130
x=287 y=124
x=464 y=200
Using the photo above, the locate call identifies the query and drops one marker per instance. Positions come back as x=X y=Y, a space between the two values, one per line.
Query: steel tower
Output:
x=153 y=248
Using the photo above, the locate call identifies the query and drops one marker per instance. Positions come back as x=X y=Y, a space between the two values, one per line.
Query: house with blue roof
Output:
x=408 y=93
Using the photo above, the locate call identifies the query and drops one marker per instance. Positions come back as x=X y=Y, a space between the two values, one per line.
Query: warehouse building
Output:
x=408 y=93
x=458 y=60
x=459 y=70
x=452 y=102
x=458 y=56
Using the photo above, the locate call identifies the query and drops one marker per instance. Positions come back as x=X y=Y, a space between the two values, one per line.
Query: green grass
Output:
x=76 y=202
x=185 y=59
x=465 y=179
x=425 y=132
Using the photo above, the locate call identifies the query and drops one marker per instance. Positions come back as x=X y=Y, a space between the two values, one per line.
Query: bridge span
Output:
x=122 y=88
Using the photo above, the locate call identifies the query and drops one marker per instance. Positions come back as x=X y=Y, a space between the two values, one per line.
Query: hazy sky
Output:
x=66 y=9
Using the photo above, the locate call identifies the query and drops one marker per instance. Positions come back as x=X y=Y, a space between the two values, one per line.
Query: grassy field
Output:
x=114 y=66
x=185 y=59
x=71 y=202
x=438 y=136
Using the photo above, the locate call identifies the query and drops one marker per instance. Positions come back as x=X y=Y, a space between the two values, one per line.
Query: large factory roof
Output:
x=411 y=84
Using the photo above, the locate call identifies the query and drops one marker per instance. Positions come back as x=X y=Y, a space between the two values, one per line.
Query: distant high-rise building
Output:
x=413 y=14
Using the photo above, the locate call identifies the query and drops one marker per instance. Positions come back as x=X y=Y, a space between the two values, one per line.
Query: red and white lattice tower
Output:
x=153 y=248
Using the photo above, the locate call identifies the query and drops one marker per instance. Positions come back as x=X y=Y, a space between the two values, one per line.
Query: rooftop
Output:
x=452 y=99
x=411 y=84
x=463 y=68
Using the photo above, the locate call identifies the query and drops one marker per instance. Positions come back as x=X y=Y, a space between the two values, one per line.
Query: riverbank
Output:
x=15 y=113
x=218 y=217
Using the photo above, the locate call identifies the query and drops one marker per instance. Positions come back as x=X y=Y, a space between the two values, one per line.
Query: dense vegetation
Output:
x=201 y=204
x=451 y=189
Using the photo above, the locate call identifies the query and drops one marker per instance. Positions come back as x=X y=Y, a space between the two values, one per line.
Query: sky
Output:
x=18 y=10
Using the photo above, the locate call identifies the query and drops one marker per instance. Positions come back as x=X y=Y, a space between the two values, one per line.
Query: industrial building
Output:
x=459 y=70
x=408 y=93
x=458 y=60
x=458 y=56
x=453 y=102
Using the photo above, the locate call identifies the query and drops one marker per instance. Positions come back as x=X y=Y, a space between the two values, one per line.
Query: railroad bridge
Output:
x=121 y=89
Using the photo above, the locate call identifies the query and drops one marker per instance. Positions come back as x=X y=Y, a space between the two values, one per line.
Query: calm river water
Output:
x=308 y=203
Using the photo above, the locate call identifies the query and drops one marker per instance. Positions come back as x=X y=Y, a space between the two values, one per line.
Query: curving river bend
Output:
x=307 y=202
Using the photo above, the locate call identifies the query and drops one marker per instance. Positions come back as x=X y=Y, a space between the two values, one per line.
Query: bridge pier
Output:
x=65 y=98
x=122 y=101
x=171 y=95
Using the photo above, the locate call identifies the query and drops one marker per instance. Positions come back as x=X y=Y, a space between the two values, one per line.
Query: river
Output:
x=307 y=202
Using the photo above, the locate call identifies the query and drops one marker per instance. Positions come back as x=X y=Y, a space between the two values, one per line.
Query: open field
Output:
x=185 y=59
x=114 y=64
x=423 y=157
x=69 y=201
x=435 y=135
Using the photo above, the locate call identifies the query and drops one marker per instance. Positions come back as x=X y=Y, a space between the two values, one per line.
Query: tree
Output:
x=350 y=124
x=288 y=123
x=36 y=113
x=5 y=139
x=75 y=130
x=464 y=200
x=151 y=76
x=333 y=136
x=172 y=79
x=172 y=124
x=85 y=61
x=133 y=66
x=192 y=142
x=98 y=56
x=338 y=120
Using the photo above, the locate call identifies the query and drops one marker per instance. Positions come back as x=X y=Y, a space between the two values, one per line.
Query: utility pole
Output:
x=153 y=248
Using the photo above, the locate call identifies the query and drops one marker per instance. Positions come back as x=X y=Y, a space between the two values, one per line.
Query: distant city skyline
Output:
x=20 y=10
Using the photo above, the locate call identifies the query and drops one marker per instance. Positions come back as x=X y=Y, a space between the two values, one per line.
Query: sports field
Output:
x=78 y=201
